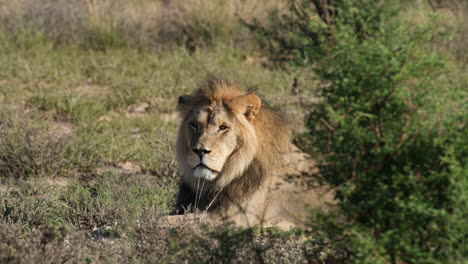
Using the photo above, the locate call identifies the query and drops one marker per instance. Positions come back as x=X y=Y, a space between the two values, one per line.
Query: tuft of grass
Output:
x=48 y=244
x=119 y=200
x=207 y=244
x=26 y=152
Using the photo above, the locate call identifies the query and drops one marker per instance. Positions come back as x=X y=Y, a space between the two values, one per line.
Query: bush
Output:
x=385 y=131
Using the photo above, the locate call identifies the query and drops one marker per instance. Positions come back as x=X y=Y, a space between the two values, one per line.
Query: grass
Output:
x=95 y=95
x=86 y=145
x=139 y=24
x=88 y=125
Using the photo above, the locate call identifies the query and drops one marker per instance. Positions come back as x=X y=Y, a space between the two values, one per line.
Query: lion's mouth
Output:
x=203 y=166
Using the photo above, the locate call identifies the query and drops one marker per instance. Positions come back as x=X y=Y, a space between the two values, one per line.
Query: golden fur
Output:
x=230 y=152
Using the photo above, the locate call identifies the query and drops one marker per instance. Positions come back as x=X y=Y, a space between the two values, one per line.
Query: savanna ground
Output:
x=88 y=124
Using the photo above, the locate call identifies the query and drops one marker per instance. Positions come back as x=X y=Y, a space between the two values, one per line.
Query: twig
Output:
x=330 y=127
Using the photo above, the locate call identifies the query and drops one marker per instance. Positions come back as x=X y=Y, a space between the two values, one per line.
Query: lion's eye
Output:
x=222 y=127
x=194 y=126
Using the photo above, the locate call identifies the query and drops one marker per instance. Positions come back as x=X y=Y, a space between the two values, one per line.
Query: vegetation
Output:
x=385 y=130
x=87 y=126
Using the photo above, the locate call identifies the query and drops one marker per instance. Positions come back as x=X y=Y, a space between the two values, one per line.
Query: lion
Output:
x=230 y=150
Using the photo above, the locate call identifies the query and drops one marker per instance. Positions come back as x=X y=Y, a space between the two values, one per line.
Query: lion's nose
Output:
x=201 y=151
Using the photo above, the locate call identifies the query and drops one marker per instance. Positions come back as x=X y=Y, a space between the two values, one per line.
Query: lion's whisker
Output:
x=201 y=191
x=196 y=193
x=214 y=198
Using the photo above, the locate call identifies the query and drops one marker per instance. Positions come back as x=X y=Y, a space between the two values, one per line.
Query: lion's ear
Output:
x=183 y=104
x=249 y=104
x=184 y=99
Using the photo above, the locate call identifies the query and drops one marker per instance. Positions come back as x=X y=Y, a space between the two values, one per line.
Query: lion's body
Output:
x=231 y=151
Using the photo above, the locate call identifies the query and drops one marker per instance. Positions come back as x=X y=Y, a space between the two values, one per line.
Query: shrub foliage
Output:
x=389 y=131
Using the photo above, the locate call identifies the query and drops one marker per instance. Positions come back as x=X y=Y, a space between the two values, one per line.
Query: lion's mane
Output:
x=273 y=134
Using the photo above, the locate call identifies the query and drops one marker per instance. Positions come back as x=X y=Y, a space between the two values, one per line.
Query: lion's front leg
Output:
x=184 y=201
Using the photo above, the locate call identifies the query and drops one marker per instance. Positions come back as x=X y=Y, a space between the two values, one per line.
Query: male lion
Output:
x=230 y=152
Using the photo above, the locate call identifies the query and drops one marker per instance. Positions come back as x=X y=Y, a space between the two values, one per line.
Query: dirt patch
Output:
x=129 y=167
x=300 y=168
x=5 y=188
x=297 y=162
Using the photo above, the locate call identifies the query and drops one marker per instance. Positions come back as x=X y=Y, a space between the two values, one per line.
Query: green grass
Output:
x=87 y=150
x=88 y=126
x=94 y=93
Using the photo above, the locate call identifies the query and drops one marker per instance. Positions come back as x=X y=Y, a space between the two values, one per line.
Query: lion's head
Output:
x=224 y=131
x=231 y=149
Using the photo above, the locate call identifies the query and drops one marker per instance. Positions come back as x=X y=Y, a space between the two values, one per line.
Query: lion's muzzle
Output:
x=201 y=152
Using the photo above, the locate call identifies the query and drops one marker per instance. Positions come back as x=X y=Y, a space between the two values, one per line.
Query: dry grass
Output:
x=144 y=24
x=155 y=242
x=113 y=111
x=103 y=119
x=26 y=151
x=116 y=218
x=452 y=20
x=47 y=245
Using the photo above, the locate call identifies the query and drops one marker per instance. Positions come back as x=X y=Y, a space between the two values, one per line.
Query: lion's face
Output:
x=213 y=138
x=217 y=140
